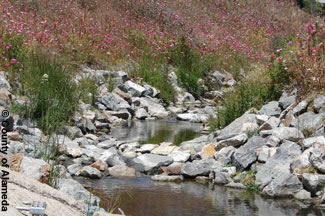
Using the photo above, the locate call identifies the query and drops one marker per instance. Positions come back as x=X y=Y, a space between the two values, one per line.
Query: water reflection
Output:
x=156 y=132
x=145 y=197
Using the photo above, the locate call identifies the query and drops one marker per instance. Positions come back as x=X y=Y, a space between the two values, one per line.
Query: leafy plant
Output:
x=50 y=90
x=252 y=187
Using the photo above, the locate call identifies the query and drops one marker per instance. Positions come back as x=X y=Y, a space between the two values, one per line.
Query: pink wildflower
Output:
x=13 y=61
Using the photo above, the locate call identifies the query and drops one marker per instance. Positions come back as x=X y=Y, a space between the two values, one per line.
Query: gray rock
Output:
x=261 y=119
x=150 y=163
x=286 y=101
x=4 y=84
x=35 y=168
x=150 y=91
x=166 y=178
x=141 y=114
x=319 y=103
x=193 y=117
x=317 y=157
x=309 y=121
x=153 y=107
x=235 y=127
x=240 y=177
x=72 y=132
x=122 y=171
x=233 y=141
x=112 y=157
x=179 y=156
x=235 y=185
x=77 y=191
x=221 y=177
x=303 y=195
x=308 y=142
x=16 y=147
x=86 y=126
x=270 y=124
x=146 y=148
x=199 y=167
x=271 y=109
x=300 y=108
x=282 y=185
x=313 y=182
x=106 y=144
x=91 y=172
x=224 y=155
x=194 y=146
x=246 y=154
x=133 y=89
x=264 y=153
x=286 y=133
x=278 y=164
x=301 y=162
x=114 y=102
x=74 y=169
x=93 y=152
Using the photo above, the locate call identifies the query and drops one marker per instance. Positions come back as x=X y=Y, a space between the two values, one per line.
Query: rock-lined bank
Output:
x=93 y=153
x=278 y=149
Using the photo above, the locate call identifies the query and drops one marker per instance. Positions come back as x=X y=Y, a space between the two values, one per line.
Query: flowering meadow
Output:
x=88 y=30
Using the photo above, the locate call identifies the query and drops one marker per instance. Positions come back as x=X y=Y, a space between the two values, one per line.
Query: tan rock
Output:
x=122 y=171
x=208 y=150
x=100 y=165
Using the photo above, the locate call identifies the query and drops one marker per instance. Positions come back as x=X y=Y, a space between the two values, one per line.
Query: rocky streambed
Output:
x=278 y=151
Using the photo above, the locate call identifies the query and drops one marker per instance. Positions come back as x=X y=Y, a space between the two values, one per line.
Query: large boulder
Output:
x=278 y=164
x=235 y=141
x=271 y=109
x=309 y=121
x=317 y=157
x=112 y=157
x=91 y=172
x=246 y=154
x=35 y=168
x=308 y=142
x=301 y=163
x=224 y=155
x=133 y=89
x=77 y=191
x=199 y=167
x=152 y=106
x=235 y=127
x=282 y=185
x=313 y=182
x=114 y=102
x=179 y=156
x=285 y=101
x=122 y=171
x=284 y=133
x=150 y=163
x=319 y=103
x=300 y=108
x=194 y=146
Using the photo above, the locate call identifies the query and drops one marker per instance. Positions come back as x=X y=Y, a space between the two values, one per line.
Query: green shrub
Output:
x=50 y=89
x=190 y=65
x=252 y=187
x=245 y=96
x=155 y=74
x=87 y=90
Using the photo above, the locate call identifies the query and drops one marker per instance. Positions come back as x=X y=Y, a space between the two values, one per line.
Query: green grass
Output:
x=155 y=74
x=87 y=90
x=50 y=89
x=246 y=95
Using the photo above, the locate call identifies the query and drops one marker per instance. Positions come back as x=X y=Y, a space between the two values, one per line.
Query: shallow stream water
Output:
x=143 y=197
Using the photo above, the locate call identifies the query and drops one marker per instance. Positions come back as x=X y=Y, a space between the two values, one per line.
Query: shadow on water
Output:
x=156 y=132
x=141 y=197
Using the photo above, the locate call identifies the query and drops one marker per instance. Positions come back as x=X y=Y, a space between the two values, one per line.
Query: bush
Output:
x=191 y=66
x=50 y=89
x=87 y=90
x=245 y=96
x=155 y=74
